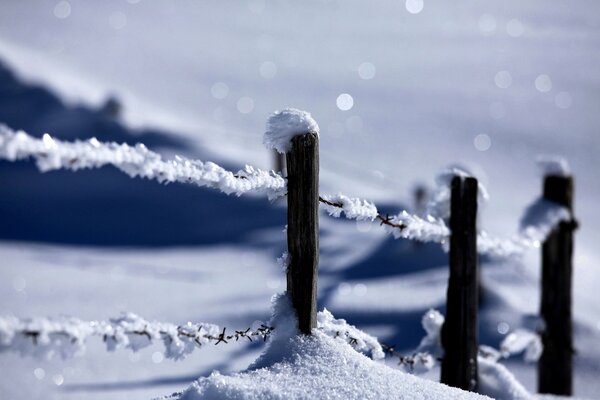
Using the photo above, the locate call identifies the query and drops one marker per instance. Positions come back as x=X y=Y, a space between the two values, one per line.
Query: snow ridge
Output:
x=137 y=161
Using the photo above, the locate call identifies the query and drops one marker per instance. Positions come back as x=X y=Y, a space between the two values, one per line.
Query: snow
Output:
x=553 y=165
x=66 y=337
x=295 y=366
x=439 y=204
x=353 y=208
x=541 y=218
x=498 y=383
x=424 y=230
x=284 y=125
x=434 y=100
x=50 y=154
x=522 y=341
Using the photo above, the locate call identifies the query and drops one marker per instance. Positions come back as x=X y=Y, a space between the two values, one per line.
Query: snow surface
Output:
x=284 y=125
x=295 y=366
x=440 y=85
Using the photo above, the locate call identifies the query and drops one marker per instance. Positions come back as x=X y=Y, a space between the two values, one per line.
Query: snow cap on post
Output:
x=553 y=165
x=284 y=125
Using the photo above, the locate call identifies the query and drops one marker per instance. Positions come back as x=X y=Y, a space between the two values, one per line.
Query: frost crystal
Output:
x=136 y=161
x=284 y=125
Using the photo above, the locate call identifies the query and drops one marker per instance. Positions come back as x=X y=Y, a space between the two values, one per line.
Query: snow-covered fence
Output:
x=459 y=332
x=295 y=134
x=555 y=367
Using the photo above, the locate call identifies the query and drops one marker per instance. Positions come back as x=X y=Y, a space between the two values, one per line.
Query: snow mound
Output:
x=320 y=367
x=283 y=125
x=296 y=366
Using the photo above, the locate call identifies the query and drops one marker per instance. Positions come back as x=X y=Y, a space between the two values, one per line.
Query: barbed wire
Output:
x=387 y=220
x=137 y=161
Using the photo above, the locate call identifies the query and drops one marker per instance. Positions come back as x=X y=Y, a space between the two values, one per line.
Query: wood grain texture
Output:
x=303 y=228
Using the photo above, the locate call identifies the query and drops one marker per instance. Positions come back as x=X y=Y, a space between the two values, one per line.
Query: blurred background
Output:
x=400 y=89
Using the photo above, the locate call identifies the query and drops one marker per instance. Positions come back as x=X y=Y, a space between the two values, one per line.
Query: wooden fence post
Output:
x=303 y=228
x=279 y=163
x=459 y=334
x=555 y=367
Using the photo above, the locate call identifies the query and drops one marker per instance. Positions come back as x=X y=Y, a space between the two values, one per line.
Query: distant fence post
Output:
x=555 y=367
x=459 y=333
x=279 y=163
x=303 y=228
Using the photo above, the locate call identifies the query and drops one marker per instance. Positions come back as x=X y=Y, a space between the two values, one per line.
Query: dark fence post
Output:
x=303 y=228
x=555 y=367
x=459 y=333
x=279 y=163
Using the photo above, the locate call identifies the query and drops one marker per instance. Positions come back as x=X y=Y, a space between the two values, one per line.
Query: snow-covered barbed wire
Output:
x=403 y=225
x=136 y=161
x=539 y=220
x=67 y=337
x=339 y=328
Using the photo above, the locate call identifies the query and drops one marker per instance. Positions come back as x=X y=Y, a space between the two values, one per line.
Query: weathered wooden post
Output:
x=555 y=367
x=279 y=163
x=459 y=334
x=303 y=228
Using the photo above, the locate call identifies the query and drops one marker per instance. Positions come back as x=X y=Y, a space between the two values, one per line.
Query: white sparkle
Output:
x=345 y=102
x=514 y=28
x=414 y=6
x=482 y=142
x=245 y=105
x=360 y=290
x=39 y=373
x=58 y=379
x=503 y=79
x=344 y=289
x=62 y=9
x=543 y=83
x=157 y=357
x=563 y=100
x=219 y=90
x=503 y=328
x=487 y=24
x=268 y=70
x=366 y=70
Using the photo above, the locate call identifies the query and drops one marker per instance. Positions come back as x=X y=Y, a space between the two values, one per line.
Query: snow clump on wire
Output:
x=284 y=125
